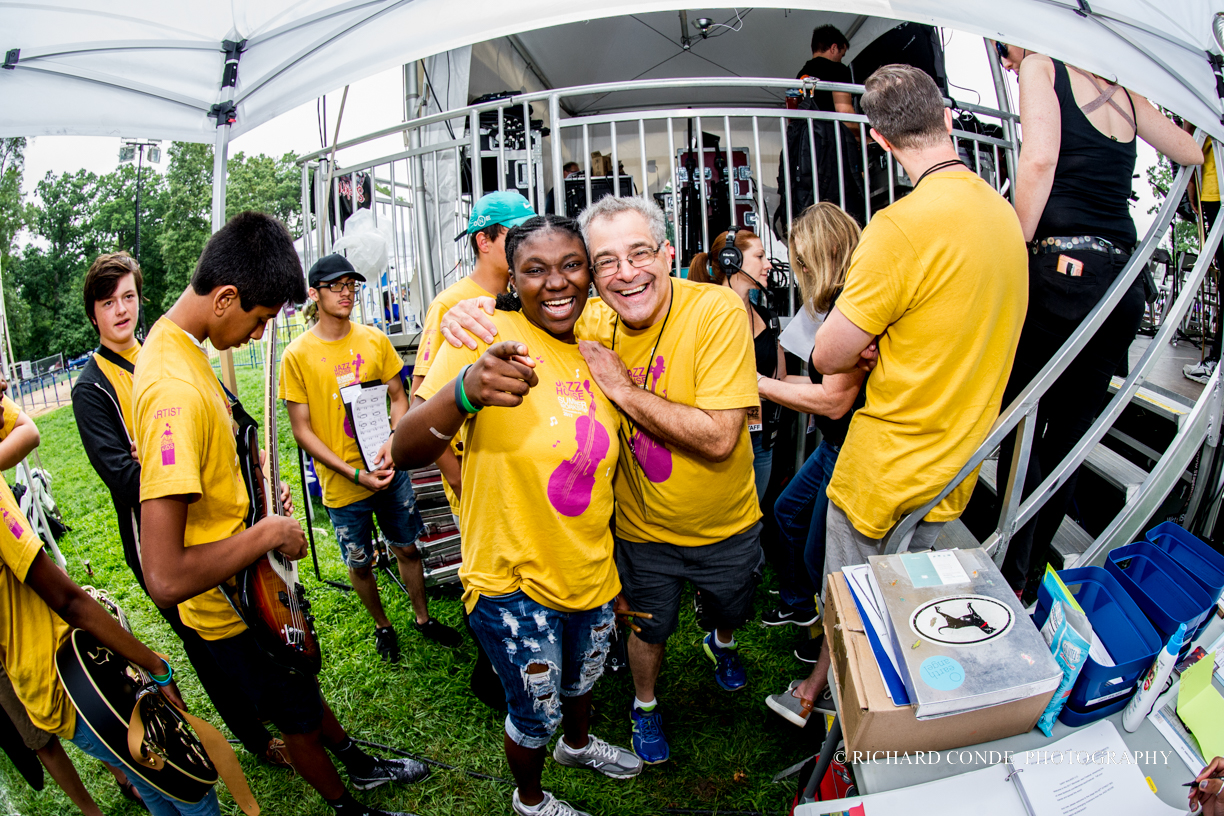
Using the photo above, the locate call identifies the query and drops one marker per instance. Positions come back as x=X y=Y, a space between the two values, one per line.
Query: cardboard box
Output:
x=601 y=165
x=870 y=722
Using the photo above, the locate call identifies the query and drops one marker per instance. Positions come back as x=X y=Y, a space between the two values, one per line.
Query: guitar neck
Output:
x=271 y=458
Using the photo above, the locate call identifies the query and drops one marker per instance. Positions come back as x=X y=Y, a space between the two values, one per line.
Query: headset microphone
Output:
x=731 y=259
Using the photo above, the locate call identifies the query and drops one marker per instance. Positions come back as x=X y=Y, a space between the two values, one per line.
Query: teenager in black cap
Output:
x=335 y=353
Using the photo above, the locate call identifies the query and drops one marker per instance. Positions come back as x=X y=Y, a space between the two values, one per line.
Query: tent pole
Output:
x=220 y=161
x=1004 y=103
x=424 y=259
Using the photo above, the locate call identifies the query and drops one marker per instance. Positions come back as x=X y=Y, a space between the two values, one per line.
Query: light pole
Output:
x=134 y=149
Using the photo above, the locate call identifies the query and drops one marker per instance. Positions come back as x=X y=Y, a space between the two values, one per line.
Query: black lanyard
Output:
x=940 y=166
x=649 y=360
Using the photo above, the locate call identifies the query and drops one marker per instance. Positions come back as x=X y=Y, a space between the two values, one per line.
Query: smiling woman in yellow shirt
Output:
x=541 y=448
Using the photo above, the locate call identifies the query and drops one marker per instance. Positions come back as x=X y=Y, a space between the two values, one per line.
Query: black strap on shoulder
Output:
x=114 y=358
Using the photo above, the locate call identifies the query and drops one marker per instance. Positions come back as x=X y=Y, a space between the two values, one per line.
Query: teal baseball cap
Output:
x=506 y=208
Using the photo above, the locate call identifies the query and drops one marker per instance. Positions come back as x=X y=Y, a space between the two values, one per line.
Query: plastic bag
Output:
x=1069 y=635
x=365 y=245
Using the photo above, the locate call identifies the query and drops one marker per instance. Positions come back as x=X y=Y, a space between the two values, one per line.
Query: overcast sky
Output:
x=377 y=102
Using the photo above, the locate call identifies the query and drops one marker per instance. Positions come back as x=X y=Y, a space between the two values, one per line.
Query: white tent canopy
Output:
x=155 y=69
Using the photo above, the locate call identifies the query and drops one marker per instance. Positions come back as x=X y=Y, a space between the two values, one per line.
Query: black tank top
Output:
x=1092 y=181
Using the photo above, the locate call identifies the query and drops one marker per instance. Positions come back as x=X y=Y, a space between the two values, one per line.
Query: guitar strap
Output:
x=115 y=359
x=219 y=751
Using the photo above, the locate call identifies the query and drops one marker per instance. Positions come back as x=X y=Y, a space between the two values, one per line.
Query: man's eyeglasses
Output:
x=1002 y=49
x=639 y=258
x=340 y=286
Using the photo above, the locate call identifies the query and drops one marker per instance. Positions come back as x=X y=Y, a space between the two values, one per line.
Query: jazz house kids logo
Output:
x=962 y=620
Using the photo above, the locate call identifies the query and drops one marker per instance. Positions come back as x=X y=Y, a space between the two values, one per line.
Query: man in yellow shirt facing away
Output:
x=333 y=354
x=102 y=407
x=193 y=502
x=939 y=282
x=492 y=216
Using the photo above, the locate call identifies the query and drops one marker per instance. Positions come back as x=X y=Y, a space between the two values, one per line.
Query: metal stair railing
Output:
x=1021 y=415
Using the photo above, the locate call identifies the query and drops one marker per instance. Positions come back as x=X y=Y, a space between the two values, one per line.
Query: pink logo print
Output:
x=571 y=484
x=653 y=455
x=167 y=446
x=357 y=363
x=13 y=524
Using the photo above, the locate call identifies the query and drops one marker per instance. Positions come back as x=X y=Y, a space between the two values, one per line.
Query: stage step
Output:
x=1069 y=541
x=1116 y=469
x=1161 y=401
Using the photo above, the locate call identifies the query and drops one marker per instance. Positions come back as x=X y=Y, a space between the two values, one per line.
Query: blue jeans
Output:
x=158 y=803
x=762 y=464
x=398 y=518
x=800 y=513
x=517 y=633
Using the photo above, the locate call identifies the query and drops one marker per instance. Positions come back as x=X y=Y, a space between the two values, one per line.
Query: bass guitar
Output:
x=269 y=598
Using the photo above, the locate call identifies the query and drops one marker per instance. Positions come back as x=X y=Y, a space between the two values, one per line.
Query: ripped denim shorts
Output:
x=520 y=635
x=398 y=518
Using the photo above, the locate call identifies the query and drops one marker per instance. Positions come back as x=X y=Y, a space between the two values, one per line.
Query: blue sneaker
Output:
x=649 y=741
x=728 y=670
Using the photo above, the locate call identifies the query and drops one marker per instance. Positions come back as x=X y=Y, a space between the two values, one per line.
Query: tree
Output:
x=1185 y=232
x=12 y=219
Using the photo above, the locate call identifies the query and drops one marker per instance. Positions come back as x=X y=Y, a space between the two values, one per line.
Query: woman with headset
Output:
x=737 y=259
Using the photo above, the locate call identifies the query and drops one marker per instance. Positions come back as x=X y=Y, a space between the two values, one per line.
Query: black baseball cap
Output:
x=329 y=268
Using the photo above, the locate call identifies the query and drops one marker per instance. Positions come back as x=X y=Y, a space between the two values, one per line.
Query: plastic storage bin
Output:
x=1195 y=556
x=1162 y=589
x=1122 y=627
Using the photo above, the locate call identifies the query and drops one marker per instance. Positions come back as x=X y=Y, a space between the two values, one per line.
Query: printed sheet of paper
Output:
x=799 y=336
x=1164 y=717
x=984 y=791
x=367 y=407
x=1088 y=773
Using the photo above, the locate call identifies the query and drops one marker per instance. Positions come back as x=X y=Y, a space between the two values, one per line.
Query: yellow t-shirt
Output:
x=537 y=479
x=432 y=341
x=121 y=381
x=30 y=632
x=185 y=437
x=1211 y=184
x=948 y=304
x=703 y=357
x=313 y=371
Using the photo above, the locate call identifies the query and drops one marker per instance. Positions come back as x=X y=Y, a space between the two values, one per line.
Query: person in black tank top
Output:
x=751 y=274
x=1072 y=198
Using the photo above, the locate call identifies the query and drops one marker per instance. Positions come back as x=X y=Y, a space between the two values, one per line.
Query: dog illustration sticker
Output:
x=962 y=620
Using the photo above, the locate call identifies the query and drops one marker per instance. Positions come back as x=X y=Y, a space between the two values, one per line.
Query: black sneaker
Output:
x=387 y=644
x=390 y=770
x=439 y=633
x=809 y=650
x=783 y=615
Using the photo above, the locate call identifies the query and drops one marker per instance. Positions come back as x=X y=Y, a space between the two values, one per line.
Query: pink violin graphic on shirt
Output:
x=571 y=485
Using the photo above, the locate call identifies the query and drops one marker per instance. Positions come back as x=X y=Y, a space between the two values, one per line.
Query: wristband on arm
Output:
x=356 y=475
x=461 y=398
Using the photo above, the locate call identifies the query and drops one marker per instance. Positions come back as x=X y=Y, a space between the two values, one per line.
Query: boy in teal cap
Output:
x=492 y=217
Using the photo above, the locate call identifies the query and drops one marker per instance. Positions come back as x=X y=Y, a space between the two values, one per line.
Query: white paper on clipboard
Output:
x=366 y=404
x=799 y=336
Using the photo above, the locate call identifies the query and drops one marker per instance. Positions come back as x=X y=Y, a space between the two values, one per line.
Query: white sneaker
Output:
x=609 y=760
x=551 y=806
x=1200 y=372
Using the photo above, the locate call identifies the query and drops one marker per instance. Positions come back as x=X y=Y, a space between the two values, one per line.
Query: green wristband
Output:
x=356 y=475
x=461 y=397
x=163 y=679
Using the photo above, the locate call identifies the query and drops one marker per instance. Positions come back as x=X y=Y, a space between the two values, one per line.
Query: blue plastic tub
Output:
x=1195 y=556
x=1163 y=590
x=1074 y=717
x=1118 y=621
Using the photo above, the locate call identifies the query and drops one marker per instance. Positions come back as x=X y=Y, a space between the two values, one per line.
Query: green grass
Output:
x=725 y=747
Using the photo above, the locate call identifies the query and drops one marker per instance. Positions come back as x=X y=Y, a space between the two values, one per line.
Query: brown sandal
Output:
x=277 y=755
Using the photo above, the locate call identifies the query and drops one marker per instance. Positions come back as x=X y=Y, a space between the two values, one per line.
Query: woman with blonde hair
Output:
x=822 y=240
x=737 y=260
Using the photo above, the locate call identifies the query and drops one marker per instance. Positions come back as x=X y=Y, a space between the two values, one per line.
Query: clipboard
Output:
x=365 y=405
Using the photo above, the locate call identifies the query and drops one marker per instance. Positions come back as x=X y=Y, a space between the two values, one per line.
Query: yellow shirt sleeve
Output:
x=11 y=411
x=432 y=340
x=446 y=367
x=389 y=362
x=169 y=439
x=18 y=544
x=726 y=361
x=883 y=279
x=292 y=386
